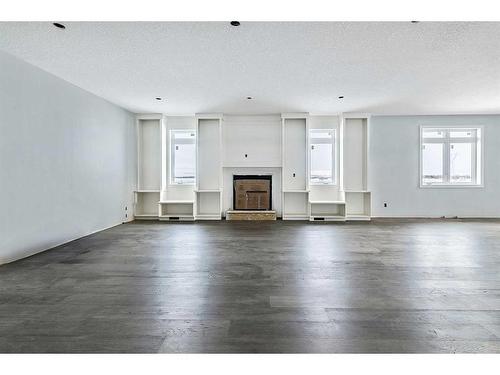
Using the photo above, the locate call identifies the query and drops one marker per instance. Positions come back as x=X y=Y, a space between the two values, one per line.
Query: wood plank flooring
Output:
x=391 y=286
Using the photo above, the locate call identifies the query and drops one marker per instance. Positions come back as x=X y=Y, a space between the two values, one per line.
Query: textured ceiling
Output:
x=379 y=67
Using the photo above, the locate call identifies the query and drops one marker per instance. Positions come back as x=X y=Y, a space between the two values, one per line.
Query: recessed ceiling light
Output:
x=249 y=97
x=341 y=97
x=59 y=25
x=158 y=98
x=235 y=23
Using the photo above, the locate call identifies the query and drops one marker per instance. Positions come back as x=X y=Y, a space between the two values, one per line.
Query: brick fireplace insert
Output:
x=252 y=192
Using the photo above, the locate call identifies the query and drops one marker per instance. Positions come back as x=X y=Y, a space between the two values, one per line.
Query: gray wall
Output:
x=67 y=161
x=394 y=170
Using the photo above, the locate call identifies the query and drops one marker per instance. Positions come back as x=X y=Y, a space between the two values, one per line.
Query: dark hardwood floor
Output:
x=386 y=286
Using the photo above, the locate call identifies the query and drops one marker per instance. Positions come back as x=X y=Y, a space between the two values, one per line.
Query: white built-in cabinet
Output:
x=295 y=166
x=149 y=166
x=208 y=192
x=355 y=166
x=348 y=198
x=178 y=201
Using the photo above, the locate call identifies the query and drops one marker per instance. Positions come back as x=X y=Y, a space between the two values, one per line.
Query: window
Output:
x=450 y=157
x=322 y=156
x=183 y=157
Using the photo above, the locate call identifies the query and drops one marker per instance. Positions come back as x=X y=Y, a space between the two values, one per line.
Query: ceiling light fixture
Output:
x=235 y=23
x=59 y=25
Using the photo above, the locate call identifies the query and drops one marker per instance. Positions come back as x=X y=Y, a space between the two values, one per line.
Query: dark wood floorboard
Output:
x=389 y=286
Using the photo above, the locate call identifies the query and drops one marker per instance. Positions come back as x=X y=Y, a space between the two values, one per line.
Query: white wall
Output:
x=67 y=161
x=394 y=170
x=259 y=137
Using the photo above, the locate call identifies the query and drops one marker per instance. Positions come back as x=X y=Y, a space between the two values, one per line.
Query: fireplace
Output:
x=252 y=192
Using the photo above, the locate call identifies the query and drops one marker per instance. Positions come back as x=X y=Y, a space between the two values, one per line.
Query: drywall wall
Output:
x=252 y=141
x=394 y=170
x=67 y=161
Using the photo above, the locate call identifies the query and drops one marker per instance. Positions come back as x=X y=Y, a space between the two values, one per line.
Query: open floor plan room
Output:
x=249 y=187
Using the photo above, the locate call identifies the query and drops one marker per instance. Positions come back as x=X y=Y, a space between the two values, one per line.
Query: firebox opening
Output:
x=252 y=192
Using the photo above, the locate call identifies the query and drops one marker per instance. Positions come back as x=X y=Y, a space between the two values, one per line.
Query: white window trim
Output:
x=334 y=157
x=450 y=186
x=171 y=157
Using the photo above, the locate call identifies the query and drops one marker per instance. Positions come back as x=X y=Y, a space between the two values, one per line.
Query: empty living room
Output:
x=211 y=184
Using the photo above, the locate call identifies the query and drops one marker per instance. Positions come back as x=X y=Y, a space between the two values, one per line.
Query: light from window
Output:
x=451 y=156
x=183 y=157
x=322 y=156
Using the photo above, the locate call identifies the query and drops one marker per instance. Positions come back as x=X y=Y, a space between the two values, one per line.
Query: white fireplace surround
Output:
x=227 y=194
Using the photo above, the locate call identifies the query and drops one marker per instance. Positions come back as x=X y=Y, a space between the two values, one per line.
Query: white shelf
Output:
x=296 y=191
x=358 y=218
x=208 y=217
x=295 y=217
x=327 y=218
x=146 y=217
x=209 y=191
x=176 y=202
x=327 y=202
x=176 y=218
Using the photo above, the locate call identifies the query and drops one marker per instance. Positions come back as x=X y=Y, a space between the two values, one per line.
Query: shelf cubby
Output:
x=295 y=205
x=327 y=211
x=208 y=205
x=355 y=166
x=295 y=170
x=176 y=210
x=146 y=204
x=355 y=157
x=208 y=192
x=358 y=205
x=147 y=195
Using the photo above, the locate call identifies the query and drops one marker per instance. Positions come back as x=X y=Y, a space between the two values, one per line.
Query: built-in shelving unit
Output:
x=355 y=166
x=149 y=166
x=209 y=172
x=326 y=200
x=345 y=197
x=295 y=166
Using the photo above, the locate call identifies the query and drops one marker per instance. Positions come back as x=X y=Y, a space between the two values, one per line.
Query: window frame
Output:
x=334 y=157
x=446 y=162
x=171 y=163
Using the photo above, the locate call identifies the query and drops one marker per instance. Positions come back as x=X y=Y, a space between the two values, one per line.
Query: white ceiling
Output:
x=381 y=68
